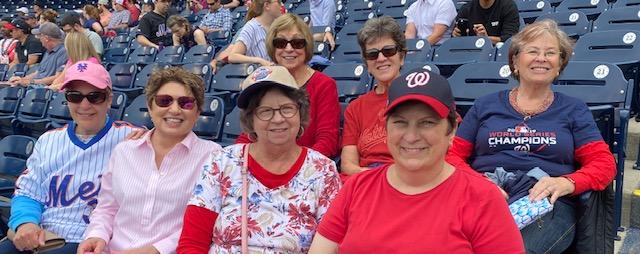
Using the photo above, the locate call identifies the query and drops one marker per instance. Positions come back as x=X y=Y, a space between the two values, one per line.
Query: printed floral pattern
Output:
x=281 y=220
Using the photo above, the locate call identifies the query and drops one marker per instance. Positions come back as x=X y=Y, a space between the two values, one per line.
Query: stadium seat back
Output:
x=211 y=120
x=138 y=114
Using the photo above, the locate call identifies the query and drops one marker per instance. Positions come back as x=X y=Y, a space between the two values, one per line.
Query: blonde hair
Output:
x=79 y=47
x=533 y=31
x=287 y=22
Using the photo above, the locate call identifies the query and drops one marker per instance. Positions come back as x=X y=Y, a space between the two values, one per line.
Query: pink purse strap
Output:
x=245 y=187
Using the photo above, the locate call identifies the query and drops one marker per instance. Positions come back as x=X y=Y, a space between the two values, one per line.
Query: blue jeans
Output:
x=7 y=247
x=553 y=233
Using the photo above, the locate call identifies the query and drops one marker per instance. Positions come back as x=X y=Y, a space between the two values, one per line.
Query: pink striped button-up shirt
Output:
x=140 y=204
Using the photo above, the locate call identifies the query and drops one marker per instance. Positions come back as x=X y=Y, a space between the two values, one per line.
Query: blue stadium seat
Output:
x=418 y=50
x=219 y=39
x=31 y=114
x=229 y=77
x=384 y=5
x=424 y=65
x=352 y=79
x=203 y=70
x=142 y=77
x=118 y=104
x=4 y=68
x=348 y=32
x=360 y=17
x=620 y=47
x=322 y=49
x=14 y=152
x=138 y=114
x=199 y=54
x=618 y=19
x=591 y=8
x=394 y=12
x=9 y=101
x=574 y=23
x=120 y=41
x=143 y=55
x=457 y=51
x=626 y=3
x=473 y=80
x=211 y=119
x=502 y=51
x=123 y=75
x=58 y=114
x=18 y=70
x=115 y=55
x=604 y=88
x=232 y=129
x=171 y=55
x=360 y=6
x=532 y=9
x=347 y=52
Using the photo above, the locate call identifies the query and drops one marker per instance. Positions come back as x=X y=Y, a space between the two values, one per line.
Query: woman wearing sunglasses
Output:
x=292 y=47
x=267 y=196
x=363 y=137
x=145 y=189
x=419 y=203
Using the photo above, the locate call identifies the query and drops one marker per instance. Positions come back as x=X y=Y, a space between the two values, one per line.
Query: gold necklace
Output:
x=513 y=99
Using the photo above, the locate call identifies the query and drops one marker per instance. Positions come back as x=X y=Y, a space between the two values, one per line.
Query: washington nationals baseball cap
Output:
x=422 y=86
x=265 y=76
x=92 y=73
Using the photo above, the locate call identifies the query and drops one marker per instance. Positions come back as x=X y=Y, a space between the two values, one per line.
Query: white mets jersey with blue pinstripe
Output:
x=63 y=174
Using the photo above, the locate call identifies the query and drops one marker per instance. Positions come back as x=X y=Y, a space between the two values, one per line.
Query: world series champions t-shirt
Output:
x=502 y=137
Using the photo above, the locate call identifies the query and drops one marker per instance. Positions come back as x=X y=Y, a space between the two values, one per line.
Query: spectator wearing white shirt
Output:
x=431 y=20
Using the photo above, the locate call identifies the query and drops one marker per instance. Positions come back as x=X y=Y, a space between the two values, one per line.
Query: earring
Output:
x=300 y=131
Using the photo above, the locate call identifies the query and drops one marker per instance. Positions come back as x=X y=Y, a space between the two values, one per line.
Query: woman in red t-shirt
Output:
x=383 y=45
x=419 y=203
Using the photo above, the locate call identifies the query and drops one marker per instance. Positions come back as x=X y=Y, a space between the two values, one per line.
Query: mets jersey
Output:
x=63 y=174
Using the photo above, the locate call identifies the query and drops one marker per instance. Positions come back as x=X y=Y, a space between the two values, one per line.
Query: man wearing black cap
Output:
x=71 y=23
x=29 y=50
x=51 y=38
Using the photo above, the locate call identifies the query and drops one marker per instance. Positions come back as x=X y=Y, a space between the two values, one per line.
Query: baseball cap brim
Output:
x=35 y=31
x=247 y=93
x=441 y=109
x=9 y=26
x=91 y=79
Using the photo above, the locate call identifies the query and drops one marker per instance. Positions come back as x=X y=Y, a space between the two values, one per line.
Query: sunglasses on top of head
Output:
x=92 y=97
x=387 y=51
x=281 y=43
x=184 y=102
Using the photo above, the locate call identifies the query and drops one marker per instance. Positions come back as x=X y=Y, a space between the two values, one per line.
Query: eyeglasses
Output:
x=387 y=51
x=546 y=54
x=92 y=97
x=184 y=102
x=266 y=113
x=281 y=43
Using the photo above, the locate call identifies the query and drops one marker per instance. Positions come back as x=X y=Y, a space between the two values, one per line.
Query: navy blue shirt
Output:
x=502 y=138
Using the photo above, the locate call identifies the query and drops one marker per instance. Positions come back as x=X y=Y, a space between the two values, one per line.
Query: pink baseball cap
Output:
x=92 y=73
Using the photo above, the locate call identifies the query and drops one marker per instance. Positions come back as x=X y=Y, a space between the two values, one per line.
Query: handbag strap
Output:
x=245 y=187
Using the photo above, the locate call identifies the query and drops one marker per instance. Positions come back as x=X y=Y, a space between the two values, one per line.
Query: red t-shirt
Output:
x=464 y=214
x=364 y=127
x=324 y=117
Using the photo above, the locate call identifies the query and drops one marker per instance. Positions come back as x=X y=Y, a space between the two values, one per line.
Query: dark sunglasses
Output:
x=387 y=51
x=92 y=97
x=184 y=102
x=281 y=43
x=212 y=3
